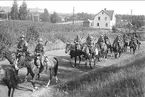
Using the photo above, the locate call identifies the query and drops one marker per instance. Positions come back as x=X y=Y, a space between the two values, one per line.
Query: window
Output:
x=97 y=24
x=106 y=24
x=98 y=18
x=102 y=12
x=105 y=18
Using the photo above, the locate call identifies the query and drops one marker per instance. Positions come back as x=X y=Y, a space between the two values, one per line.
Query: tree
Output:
x=55 y=18
x=23 y=11
x=137 y=23
x=14 y=10
x=45 y=16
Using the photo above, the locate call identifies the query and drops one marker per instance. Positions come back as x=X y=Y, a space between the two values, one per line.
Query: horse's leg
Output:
x=75 y=61
x=17 y=72
x=33 y=82
x=79 y=60
x=90 y=61
x=71 y=61
x=50 y=77
x=86 y=63
x=95 y=57
x=13 y=92
x=26 y=77
x=38 y=76
x=9 y=91
x=106 y=53
x=115 y=54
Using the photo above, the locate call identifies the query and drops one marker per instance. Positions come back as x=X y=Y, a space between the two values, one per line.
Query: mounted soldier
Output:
x=106 y=38
x=22 y=48
x=100 y=41
x=77 y=42
x=89 y=42
x=124 y=37
x=117 y=40
x=39 y=53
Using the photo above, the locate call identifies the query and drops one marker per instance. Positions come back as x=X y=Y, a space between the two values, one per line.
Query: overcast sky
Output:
x=120 y=7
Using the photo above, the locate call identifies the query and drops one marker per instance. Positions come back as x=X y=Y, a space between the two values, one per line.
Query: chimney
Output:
x=105 y=9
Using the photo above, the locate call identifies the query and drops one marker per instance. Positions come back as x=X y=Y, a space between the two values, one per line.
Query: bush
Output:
x=32 y=34
x=114 y=29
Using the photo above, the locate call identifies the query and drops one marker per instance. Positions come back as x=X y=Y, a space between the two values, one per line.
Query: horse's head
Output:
x=68 y=47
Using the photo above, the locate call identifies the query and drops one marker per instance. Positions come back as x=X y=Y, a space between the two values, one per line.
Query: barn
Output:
x=87 y=23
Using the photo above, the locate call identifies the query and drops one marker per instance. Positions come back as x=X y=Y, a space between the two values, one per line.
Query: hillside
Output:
x=11 y=31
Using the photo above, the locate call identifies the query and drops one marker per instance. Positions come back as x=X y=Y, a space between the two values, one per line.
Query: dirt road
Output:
x=66 y=72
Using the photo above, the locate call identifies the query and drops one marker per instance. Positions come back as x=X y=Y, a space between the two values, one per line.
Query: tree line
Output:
x=136 y=21
x=21 y=13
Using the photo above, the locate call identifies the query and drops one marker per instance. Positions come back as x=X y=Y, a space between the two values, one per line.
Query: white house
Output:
x=105 y=19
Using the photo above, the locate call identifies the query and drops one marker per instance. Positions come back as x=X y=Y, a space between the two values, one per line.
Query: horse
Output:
x=109 y=46
x=125 y=44
x=10 y=56
x=117 y=49
x=50 y=64
x=138 y=44
x=74 y=53
x=104 y=49
x=133 y=46
x=90 y=53
x=10 y=78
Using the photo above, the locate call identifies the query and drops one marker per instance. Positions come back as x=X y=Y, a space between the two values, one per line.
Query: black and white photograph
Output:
x=76 y=48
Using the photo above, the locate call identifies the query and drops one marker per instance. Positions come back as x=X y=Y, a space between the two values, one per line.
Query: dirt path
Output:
x=65 y=72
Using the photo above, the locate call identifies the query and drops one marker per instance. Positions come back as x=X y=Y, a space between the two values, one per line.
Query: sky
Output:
x=120 y=7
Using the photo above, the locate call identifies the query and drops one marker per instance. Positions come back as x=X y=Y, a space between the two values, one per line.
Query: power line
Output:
x=73 y=14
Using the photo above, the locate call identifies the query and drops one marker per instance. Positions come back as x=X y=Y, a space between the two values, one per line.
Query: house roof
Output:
x=88 y=20
x=108 y=12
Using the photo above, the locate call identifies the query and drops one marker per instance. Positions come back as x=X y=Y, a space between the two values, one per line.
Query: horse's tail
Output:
x=56 y=66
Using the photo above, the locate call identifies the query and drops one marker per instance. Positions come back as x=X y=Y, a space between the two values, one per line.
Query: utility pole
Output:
x=130 y=22
x=73 y=14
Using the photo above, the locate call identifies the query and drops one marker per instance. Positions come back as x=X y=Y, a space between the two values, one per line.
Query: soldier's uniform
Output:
x=134 y=39
x=100 y=41
x=106 y=37
x=39 y=52
x=89 y=41
x=22 y=48
x=77 y=41
x=116 y=40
